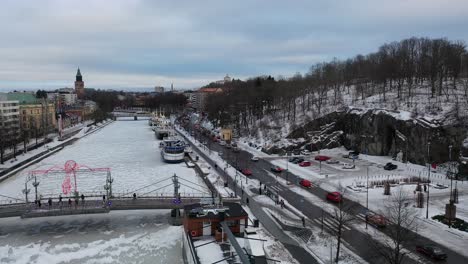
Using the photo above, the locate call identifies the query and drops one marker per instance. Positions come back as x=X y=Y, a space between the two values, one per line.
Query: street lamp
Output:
x=367 y=192
x=428 y=178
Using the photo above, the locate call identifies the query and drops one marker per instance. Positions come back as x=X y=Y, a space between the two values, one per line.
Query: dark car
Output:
x=293 y=159
x=299 y=160
x=276 y=169
x=432 y=252
x=297 y=152
x=390 y=166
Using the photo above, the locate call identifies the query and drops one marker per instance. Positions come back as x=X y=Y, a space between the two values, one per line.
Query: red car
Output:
x=322 y=158
x=304 y=164
x=305 y=183
x=277 y=169
x=246 y=172
x=334 y=197
x=376 y=220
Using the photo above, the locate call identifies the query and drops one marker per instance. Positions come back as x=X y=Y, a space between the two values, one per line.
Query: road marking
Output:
x=331 y=223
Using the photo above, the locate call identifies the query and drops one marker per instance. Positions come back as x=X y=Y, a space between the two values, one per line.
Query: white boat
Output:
x=172 y=150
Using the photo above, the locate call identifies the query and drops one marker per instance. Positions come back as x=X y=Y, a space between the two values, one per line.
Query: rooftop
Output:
x=203 y=211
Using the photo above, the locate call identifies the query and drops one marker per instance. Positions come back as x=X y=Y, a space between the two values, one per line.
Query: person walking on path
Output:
x=69 y=202
x=303 y=221
x=247 y=200
x=60 y=200
x=134 y=196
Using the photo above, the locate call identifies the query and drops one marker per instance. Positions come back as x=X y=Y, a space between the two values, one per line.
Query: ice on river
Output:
x=128 y=148
x=117 y=237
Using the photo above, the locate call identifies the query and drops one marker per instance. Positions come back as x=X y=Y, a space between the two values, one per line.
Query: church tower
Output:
x=79 y=85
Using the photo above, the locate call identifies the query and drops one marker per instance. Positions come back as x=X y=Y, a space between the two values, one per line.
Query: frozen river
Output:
x=128 y=148
x=131 y=151
x=117 y=237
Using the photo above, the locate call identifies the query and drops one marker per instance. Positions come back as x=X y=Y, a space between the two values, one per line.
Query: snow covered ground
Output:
x=332 y=177
x=128 y=148
x=117 y=237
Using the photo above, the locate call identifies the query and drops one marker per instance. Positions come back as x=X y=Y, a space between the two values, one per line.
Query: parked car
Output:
x=276 y=169
x=390 y=166
x=305 y=183
x=293 y=159
x=348 y=166
x=334 y=197
x=322 y=158
x=246 y=172
x=376 y=220
x=222 y=143
x=228 y=146
x=254 y=158
x=305 y=164
x=297 y=152
x=439 y=186
x=432 y=251
x=298 y=160
x=305 y=152
x=333 y=161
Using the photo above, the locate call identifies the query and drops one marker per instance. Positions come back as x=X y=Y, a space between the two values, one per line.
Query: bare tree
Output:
x=343 y=216
x=402 y=227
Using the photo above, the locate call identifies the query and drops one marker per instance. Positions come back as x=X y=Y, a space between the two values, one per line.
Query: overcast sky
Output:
x=124 y=44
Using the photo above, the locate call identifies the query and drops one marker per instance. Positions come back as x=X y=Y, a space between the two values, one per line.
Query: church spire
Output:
x=79 y=78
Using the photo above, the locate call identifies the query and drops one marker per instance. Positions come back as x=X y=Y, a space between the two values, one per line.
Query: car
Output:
x=234 y=145
x=298 y=160
x=348 y=166
x=333 y=161
x=246 y=172
x=276 y=169
x=222 y=143
x=254 y=158
x=215 y=139
x=305 y=183
x=390 y=166
x=305 y=164
x=296 y=152
x=376 y=220
x=432 y=251
x=305 y=152
x=235 y=149
x=334 y=197
x=293 y=159
x=228 y=146
x=439 y=186
x=322 y=158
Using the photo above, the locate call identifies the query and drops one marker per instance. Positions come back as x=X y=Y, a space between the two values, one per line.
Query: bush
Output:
x=457 y=223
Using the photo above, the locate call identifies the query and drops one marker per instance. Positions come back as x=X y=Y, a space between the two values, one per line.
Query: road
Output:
x=351 y=235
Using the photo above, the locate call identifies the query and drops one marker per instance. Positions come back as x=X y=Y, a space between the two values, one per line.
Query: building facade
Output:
x=38 y=116
x=9 y=121
x=201 y=96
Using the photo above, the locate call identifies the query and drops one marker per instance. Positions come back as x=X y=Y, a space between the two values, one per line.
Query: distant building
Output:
x=191 y=98
x=159 y=89
x=226 y=79
x=9 y=121
x=79 y=85
x=201 y=96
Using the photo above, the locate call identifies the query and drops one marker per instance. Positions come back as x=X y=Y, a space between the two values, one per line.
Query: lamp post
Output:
x=35 y=184
x=367 y=192
x=428 y=178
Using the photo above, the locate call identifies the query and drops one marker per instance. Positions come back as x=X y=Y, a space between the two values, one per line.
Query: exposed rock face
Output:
x=383 y=132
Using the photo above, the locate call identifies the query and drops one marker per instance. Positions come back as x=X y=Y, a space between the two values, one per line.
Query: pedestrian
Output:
x=260 y=190
x=60 y=200
x=39 y=203
x=104 y=198
x=282 y=203
x=134 y=196
x=247 y=200
x=50 y=202
x=82 y=198
x=425 y=188
x=303 y=221
x=77 y=201
x=69 y=202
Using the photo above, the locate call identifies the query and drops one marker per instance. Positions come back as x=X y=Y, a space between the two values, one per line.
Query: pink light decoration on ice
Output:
x=70 y=168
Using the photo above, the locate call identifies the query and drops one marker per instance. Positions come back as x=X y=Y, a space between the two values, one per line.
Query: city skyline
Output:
x=141 y=44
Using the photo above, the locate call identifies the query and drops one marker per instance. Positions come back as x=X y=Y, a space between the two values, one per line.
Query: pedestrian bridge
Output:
x=30 y=210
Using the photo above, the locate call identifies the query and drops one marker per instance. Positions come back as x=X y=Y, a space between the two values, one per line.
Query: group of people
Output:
x=38 y=202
